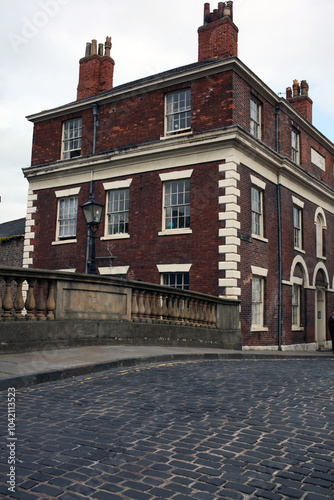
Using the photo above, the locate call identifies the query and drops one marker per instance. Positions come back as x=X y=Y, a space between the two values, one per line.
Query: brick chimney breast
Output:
x=96 y=71
x=218 y=37
x=299 y=98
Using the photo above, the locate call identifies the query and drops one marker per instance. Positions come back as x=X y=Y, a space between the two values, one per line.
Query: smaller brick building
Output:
x=210 y=181
x=11 y=243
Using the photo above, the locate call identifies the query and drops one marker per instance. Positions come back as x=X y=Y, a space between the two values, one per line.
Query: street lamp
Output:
x=92 y=211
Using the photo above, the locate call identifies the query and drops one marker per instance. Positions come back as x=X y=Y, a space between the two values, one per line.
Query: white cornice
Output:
x=183 y=152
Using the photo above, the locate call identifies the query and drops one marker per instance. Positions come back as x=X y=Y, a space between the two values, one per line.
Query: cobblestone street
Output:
x=234 y=429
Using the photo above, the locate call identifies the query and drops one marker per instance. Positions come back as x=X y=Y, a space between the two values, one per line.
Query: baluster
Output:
x=201 y=313
x=160 y=308
x=182 y=311
x=205 y=314
x=191 y=311
x=164 y=308
x=176 y=309
x=51 y=303
x=154 y=309
x=135 y=310
x=19 y=301
x=40 y=302
x=170 y=308
x=197 y=313
x=186 y=310
x=30 y=301
x=148 y=309
x=7 y=303
x=141 y=306
x=213 y=315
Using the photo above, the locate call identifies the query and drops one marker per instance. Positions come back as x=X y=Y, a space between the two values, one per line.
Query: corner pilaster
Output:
x=229 y=256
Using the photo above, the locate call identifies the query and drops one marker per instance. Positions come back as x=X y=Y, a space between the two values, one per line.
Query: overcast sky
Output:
x=43 y=40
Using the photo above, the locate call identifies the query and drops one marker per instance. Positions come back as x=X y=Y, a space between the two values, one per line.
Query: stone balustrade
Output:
x=30 y=295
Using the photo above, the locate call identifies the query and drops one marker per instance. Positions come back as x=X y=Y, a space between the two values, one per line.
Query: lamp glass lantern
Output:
x=92 y=211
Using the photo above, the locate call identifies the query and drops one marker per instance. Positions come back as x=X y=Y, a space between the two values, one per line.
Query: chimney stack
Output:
x=96 y=70
x=218 y=37
x=299 y=99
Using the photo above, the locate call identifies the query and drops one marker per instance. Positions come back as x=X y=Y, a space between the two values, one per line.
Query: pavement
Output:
x=30 y=368
x=167 y=423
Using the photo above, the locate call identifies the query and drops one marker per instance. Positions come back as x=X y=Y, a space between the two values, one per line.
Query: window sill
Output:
x=297 y=328
x=321 y=257
x=260 y=238
x=258 y=328
x=64 y=242
x=121 y=236
x=300 y=250
x=174 y=232
x=177 y=134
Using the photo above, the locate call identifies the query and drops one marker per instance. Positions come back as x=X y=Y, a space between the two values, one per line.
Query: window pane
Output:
x=118 y=211
x=72 y=138
x=257 y=301
x=67 y=217
x=177 y=205
x=178 y=111
x=176 y=280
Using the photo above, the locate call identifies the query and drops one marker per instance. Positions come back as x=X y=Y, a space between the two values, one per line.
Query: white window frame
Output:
x=297 y=228
x=257 y=302
x=255 y=118
x=295 y=145
x=174 y=269
x=295 y=305
x=175 y=112
x=260 y=186
x=257 y=212
x=259 y=275
x=71 y=139
x=321 y=225
x=177 y=176
x=108 y=187
x=60 y=195
x=119 y=226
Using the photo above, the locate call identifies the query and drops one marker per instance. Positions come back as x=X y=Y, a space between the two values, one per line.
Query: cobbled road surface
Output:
x=182 y=430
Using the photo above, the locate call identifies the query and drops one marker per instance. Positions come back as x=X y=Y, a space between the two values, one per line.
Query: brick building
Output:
x=209 y=181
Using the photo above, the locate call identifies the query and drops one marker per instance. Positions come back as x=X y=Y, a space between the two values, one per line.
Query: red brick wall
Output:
x=138 y=119
x=145 y=248
x=95 y=75
x=261 y=254
x=218 y=40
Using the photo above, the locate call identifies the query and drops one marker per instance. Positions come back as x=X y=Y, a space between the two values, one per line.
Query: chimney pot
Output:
x=288 y=93
x=227 y=10
x=107 y=46
x=296 y=88
x=215 y=15
x=221 y=6
x=100 y=49
x=304 y=88
x=207 y=15
x=94 y=47
x=88 y=49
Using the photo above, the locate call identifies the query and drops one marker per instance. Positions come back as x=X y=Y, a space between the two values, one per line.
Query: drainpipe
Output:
x=95 y=108
x=279 y=229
